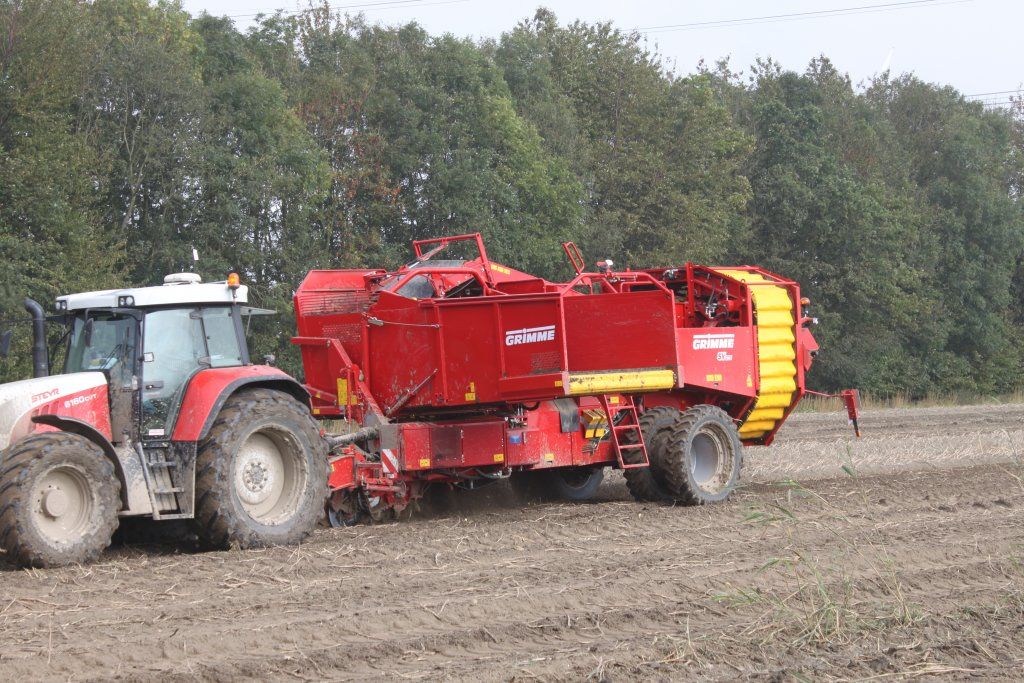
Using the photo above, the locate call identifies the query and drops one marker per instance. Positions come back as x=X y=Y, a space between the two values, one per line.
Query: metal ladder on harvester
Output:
x=628 y=423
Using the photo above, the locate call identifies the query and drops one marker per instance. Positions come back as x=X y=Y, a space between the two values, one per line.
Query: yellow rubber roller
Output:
x=776 y=359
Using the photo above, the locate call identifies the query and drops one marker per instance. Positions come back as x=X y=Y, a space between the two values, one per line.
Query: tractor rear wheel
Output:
x=702 y=457
x=59 y=498
x=261 y=473
x=643 y=482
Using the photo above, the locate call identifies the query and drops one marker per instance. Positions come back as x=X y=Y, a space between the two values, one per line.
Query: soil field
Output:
x=900 y=555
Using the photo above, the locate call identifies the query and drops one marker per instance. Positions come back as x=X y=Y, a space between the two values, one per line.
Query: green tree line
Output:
x=132 y=132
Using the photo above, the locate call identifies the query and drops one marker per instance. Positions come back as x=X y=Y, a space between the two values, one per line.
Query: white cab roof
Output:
x=169 y=294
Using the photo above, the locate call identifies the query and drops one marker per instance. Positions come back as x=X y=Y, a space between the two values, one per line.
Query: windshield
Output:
x=99 y=342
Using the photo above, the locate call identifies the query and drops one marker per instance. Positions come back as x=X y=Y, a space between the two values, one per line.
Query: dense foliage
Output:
x=131 y=132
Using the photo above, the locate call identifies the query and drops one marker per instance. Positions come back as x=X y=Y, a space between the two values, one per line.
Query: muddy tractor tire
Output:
x=645 y=483
x=59 y=499
x=261 y=473
x=702 y=457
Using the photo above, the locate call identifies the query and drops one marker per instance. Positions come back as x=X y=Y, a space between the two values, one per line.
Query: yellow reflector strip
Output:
x=624 y=381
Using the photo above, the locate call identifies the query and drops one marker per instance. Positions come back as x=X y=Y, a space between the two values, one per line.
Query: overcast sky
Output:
x=974 y=45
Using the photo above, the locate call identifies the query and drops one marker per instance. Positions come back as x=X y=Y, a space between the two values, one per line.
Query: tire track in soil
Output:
x=615 y=590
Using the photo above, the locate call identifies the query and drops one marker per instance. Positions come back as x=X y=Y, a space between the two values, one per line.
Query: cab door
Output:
x=108 y=341
x=174 y=348
x=177 y=343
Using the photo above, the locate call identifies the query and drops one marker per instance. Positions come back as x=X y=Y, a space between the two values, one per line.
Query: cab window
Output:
x=173 y=348
x=221 y=337
x=104 y=342
x=177 y=343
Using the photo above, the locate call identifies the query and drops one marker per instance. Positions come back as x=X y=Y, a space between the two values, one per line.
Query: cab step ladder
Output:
x=159 y=483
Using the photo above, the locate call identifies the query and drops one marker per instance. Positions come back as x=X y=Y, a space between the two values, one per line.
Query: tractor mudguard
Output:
x=73 y=426
x=209 y=389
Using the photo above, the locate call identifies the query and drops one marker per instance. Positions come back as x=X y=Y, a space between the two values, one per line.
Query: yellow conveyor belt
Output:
x=776 y=354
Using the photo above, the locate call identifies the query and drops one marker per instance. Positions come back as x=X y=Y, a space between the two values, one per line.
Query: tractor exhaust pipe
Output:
x=40 y=356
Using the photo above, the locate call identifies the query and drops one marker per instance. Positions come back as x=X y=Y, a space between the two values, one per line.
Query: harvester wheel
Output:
x=643 y=482
x=261 y=473
x=576 y=484
x=702 y=457
x=59 y=498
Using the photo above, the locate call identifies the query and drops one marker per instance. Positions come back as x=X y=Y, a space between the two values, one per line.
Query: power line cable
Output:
x=796 y=16
x=996 y=92
x=367 y=6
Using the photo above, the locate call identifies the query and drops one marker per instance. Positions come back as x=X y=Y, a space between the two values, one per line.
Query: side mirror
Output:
x=5 y=343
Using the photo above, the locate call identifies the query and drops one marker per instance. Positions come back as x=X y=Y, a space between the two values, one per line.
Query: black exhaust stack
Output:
x=40 y=356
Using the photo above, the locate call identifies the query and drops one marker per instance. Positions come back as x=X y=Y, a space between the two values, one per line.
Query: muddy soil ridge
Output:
x=898 y=555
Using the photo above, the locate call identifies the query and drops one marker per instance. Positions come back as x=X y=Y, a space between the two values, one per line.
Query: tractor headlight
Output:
x=62 y=305
x=125 y=301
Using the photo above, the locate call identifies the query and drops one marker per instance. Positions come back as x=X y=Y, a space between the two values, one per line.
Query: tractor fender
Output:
x=209 y=389
x=81 y=428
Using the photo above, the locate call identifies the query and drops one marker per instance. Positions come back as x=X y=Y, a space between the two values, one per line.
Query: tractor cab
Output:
x=150 y=341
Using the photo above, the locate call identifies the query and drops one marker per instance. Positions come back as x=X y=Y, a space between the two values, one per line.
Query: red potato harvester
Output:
x=453 y=373
x=459 y=372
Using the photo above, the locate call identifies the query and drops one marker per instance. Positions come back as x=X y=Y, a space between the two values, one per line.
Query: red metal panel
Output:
x=90 y=406
x=403 y=353
x=532 y=340
x=542 y=443
x=432 y=445
x=343 y=472
x=483 y=443
x=620 y=331
x=468 y=350
x=206 y=390
x=720 y=358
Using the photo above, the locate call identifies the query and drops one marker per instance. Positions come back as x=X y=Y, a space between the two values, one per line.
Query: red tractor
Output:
x=460 y=372
x=158 y=413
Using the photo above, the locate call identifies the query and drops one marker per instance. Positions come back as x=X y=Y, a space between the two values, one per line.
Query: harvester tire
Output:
x=261 y=473
x=575 y=484
x=59 y=498
x=702 y=457
x=643 y=483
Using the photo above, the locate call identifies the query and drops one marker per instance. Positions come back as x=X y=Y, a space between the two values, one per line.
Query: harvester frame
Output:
x=463 y=372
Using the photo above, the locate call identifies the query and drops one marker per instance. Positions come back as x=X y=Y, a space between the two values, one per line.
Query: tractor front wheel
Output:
x=261 y=473
x=59 y=498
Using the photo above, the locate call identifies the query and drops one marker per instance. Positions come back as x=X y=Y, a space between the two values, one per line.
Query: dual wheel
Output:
x=695 y=455
x=695 y=458
x=261 y=479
